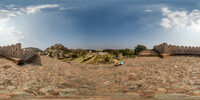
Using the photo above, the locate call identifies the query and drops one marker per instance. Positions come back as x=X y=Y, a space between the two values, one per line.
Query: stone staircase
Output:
x=148 y=53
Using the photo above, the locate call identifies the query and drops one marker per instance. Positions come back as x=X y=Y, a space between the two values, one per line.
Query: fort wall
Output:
x=177 y=50
x=16 y=51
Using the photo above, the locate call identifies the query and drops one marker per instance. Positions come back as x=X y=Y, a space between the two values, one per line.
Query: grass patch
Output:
x=84 y=60
x=67 y=59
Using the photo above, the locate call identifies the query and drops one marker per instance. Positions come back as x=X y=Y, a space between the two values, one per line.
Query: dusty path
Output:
x=141 y=77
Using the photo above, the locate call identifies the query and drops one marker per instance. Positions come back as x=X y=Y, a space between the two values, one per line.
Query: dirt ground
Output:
x=139 y=78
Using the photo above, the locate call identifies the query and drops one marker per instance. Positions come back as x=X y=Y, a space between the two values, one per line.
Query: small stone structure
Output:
x=15 y=52
x=148 y=53
x=119 y=56
x=166 y=50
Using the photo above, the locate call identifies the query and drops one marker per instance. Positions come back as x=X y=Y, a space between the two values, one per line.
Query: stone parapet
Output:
x=164 y=48
x=15 y=51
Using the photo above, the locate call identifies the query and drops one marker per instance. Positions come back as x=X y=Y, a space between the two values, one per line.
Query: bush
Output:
x=74 y=55
x=66 y=51
x=102 y=59
x=126 y=52
x=107 y=58
x=139 y=48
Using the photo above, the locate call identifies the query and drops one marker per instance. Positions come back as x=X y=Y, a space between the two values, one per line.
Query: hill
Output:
x=56 y=48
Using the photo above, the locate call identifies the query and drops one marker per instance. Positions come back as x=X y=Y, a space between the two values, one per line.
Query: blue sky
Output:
x=99 y=24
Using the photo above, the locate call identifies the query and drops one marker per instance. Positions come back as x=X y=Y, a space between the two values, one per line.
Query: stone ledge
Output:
x=176 y=96
x=28 y=60
x=15 y=60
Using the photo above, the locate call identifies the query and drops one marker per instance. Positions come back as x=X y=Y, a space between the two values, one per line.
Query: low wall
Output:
x=27 y=53
x=177 y=50
x=16 y=51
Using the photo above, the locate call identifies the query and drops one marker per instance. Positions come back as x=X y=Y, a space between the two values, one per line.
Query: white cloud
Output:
x=148 y=10
x=68 y=8
x=13 y=11
x=15 y=35
x=6 y=14
x=11 y=32
x=181 y=19
x=34 y=9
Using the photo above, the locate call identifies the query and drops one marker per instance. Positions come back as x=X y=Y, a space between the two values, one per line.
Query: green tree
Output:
x=126 y=52
x=139 y=48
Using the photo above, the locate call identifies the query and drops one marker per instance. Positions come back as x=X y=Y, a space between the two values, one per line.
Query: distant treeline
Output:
x=125 y=52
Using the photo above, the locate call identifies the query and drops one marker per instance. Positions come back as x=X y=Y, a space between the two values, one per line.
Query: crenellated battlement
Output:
x=164 y=48
x=16 y=52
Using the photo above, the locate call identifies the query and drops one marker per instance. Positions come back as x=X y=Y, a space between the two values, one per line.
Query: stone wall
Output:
x=11 y=51
x=173 y=49
x=27 y=53
x=16 y=52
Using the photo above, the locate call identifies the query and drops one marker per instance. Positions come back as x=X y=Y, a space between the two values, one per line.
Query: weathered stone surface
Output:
x=179 y=85
x=11 y=87
x=195 y=92
x=172 y=96
x=191 y=82
x=47 y=88
x=56 y=78
x=132 y=74
x=166 y=49
x=2 y=86
x=22 y=96
x=4 y=91
x=161 y=90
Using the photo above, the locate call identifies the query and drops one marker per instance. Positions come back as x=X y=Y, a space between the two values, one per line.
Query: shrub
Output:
x=66 y=51
x=107 y=58
x=126 y=52
x=139 y=48
x=74 y=55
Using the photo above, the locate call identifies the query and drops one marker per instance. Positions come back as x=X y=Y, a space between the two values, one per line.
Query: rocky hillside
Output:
x=56 y=51
x=56 y=48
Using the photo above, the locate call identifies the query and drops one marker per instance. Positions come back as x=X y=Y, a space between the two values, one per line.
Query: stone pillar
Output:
x=18 y=50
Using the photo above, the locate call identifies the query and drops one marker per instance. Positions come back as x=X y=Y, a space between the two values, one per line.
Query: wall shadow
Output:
x=36 y=61
x=187 y=55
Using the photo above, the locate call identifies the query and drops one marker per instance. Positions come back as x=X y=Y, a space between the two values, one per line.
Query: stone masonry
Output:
x=15 y=51
x=165 y=49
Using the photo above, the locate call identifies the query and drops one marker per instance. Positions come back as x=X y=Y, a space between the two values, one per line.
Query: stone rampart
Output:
x=27 y=53
x=11 y=51
x=177 y=50
x=16 y=51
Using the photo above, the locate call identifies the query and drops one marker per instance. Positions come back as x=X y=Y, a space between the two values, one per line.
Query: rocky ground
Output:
x=176 y=77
